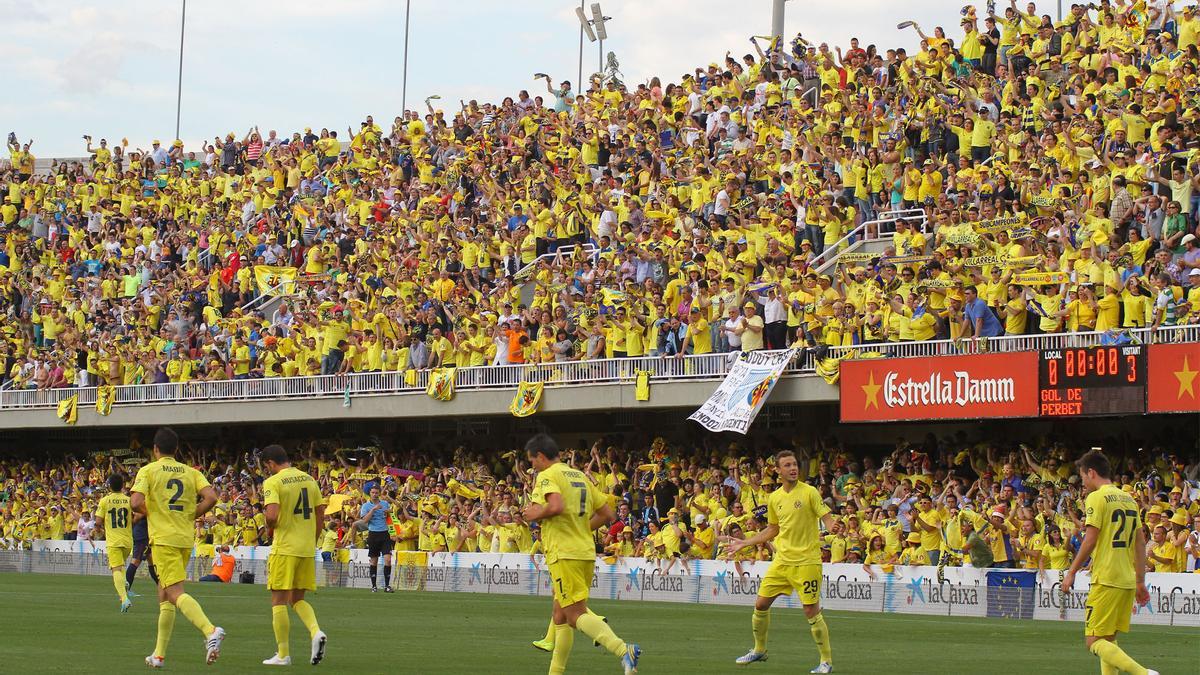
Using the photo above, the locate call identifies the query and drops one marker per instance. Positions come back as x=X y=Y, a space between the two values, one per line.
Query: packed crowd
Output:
x=948 y=500
x=1054 y=164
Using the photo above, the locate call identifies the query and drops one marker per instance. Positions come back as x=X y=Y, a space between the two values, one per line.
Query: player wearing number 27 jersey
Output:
x=1114 y=540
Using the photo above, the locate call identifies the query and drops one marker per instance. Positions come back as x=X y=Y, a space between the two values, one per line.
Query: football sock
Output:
x=550 y=632
x=820 y=633
x=1106 y=669
x=130 y=573
x=282 y=625
x=373 y=573
x=307 y=616
x=166 y=623
x=387 y=575
x=591 y=626
x=1114 y=656
x=119 y=583
x=564 y=639
x=760 y=623
x=192 y=612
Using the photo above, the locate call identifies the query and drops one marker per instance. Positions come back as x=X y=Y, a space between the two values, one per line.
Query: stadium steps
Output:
x=872 y=237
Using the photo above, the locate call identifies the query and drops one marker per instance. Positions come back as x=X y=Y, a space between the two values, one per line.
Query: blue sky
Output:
x=108 y=68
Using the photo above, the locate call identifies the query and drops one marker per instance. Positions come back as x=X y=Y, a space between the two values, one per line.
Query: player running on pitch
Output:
x=114 y=521
x=568 y=505
x=793 y=512
x=295 y=510
x=172 y=496
x=1113 y=539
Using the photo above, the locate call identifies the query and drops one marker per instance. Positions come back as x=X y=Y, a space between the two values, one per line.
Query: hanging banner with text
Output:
x=1174 y=382
x=940 y=388
x=736 y=402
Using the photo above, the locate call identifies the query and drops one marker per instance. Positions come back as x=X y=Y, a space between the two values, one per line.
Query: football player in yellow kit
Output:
x=172 y=496
x=295 y=510
x=570 y=508
x=114 y=520
x=1114 y=541
x=793 y=514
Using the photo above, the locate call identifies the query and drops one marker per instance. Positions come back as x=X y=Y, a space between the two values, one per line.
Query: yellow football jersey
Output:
x=567 y=535
x=797 y=513
x=171 y=490
x=1116 y=515
x=298 y=497
x=113 y=510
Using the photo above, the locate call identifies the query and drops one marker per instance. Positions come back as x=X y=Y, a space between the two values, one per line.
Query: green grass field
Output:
x=51 y=624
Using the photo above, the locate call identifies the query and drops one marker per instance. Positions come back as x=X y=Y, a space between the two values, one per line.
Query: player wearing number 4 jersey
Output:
x=114 y=520
x=172 y=496
x=1117 y=547
x=793 y=512
x=569 y=508
x=295 y=511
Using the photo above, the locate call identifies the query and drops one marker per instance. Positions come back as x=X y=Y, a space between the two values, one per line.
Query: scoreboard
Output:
x=1081 y=381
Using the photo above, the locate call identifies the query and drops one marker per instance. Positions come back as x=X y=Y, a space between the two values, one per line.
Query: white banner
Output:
x=736 y=402
x=962 y=591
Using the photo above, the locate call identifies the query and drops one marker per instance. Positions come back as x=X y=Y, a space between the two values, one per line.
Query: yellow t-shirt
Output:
x=797 y=513
x=298 y=496
x=567 y=536
x=113 y=510
x=170 y=489
x=1116 y=515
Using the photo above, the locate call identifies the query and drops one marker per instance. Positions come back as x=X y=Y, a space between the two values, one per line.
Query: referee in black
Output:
x=379 y=541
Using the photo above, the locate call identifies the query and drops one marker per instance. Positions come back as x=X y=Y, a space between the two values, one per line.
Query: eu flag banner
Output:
x=1011 y=594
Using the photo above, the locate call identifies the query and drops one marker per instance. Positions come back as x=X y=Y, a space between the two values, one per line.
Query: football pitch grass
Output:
x=53 y=624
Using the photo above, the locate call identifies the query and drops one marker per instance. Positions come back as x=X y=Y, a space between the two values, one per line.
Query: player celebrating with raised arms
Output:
x=793 y=512
x=114 y=520
x=1114 y=541
x=569 y=508
x=172 y=496
x=295 y=510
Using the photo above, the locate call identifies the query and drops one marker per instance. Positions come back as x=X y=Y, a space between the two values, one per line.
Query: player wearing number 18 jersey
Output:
x=172 y=496
x=295 y=510
x=1114 y=540
x=569 y=508
x=115 y=519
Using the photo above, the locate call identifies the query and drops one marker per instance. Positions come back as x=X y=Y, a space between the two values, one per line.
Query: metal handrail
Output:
x=859 y=235
x=693 y=368
x=589 y=249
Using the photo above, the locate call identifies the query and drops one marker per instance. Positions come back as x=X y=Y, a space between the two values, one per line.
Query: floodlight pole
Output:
x=777 y=18
x=404 y=82
x=179 y=81
x=579 y=82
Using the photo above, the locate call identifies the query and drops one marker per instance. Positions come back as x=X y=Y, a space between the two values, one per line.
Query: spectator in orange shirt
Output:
x=222 y=567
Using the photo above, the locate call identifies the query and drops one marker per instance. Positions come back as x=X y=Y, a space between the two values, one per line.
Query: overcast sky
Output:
x=108 y=67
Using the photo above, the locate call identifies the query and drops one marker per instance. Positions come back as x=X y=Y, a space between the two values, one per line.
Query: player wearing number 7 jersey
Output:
x=295 y=510
x=1117 y=547
x=570 y=508
x=172 y=496
x=114 y=520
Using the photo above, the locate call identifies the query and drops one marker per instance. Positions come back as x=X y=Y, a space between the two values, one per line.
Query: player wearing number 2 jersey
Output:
x=1115 y=543
x=115 y=520
x=295 y=510
x=172 y=496
x=569 y=508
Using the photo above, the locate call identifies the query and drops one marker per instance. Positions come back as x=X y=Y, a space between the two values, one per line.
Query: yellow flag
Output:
x=275 y=280
x=441 y=384
x=68 y=409
x=105 y=395
x=529 y=396
x=641 y=387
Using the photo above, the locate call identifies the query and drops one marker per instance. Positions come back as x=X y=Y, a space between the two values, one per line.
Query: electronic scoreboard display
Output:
x=1081 y=381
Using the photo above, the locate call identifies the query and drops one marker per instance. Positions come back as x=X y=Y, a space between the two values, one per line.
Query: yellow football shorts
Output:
x=571 y=580
x=117 y=556
x=783 y=579
x=1108 y=610
x=170 y=564
x=291 y=573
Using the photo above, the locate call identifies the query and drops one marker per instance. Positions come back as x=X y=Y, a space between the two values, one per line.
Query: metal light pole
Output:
x=404 y=82
x=777 y=18
x=595 y=30
x=582 y=24
x=179 y=82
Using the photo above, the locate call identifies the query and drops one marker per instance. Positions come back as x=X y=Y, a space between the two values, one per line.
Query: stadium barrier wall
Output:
x=954 y=591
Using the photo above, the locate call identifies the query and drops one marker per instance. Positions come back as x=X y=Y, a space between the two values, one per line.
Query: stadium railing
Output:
x=694 y=368
x=880 y=229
